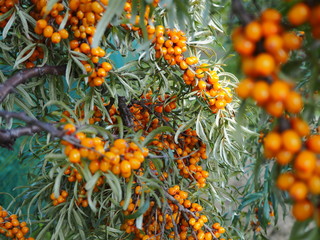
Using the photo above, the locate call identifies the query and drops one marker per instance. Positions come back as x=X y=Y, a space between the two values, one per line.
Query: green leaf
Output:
x=115 y=7
x=8 y=25
x=21 y=58
x=128 y=193
x=68 y=73
x=24 y=22
x=250 y=199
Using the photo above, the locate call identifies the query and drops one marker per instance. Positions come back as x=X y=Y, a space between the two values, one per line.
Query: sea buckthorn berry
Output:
x=48 y=31
x=271 y=14
x=298 y=191
x=291 y=41
x=85 y=48
x=300 y=126
x=261 y=92
x=42 y=23
x=74 y=156
x=279 y=90
x=299 y=14
x=64 y=33
x=284 y=157
x=253 y=31
x=245 y=87
x=244 y=46
x=291 y=141
x=273 y=43
x=285 y=181
x=293 y=103
x=106 y=66
x=273 y=142
x=314 y=184
x=264 y=64
x=125 y=166
x=302 y=210
x=69 y=128
x=305 y=161
x=313 y=143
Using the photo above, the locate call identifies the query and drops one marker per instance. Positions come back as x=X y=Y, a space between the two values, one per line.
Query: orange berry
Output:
x=293 y=103
x=302 y=210
x=120 y=143
x=264 y=64
x=64 y=33
x=279 y=90
x=284 y=157
x=253 y=31
x=74 y=156
x=261 y=92
x=94 y=166
x=298 y=191
x=69 y=128
x=244 y=46
x=313 y=143
x=271 y=14
x=298 y=14
x=273 y=142
x=85 y=48
x=291 y=41
x=125 y=166
x=285 y=181
x=42 y=23
x=300 y=126
x=216 y=226
x=291 y=141
x=314 y=185
x=48 y=31
x=245 y=87
x=273 y=43
x=305 y=161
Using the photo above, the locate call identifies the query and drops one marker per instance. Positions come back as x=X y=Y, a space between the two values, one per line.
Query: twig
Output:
x=24 y=75
x=125 y=113
x=8 y=137
x=239 y=10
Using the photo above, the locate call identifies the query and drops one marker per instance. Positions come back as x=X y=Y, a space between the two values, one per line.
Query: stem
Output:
x=239 y=10
x=8 y=137
x=24 y=75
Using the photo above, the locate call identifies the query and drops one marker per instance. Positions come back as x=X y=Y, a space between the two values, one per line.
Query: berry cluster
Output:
x=121 y=158
x=5 y=6
x=11 y=227
x=82 y=17
x=182 y=215
x=171 y=44
x=303 y=181
x=36 y=55
x=148 y=20
x=60 y=199
x=264 y=46
x=301 y=13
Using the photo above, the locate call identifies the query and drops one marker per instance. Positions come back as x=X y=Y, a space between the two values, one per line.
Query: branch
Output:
x=8 y=137
x=23 y=75
x=125 y=113
x=239 y=10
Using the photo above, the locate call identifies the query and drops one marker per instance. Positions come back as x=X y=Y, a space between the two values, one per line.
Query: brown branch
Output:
x=125 y=113
x=239 y=10
x=24 y=75
x=8 y=137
